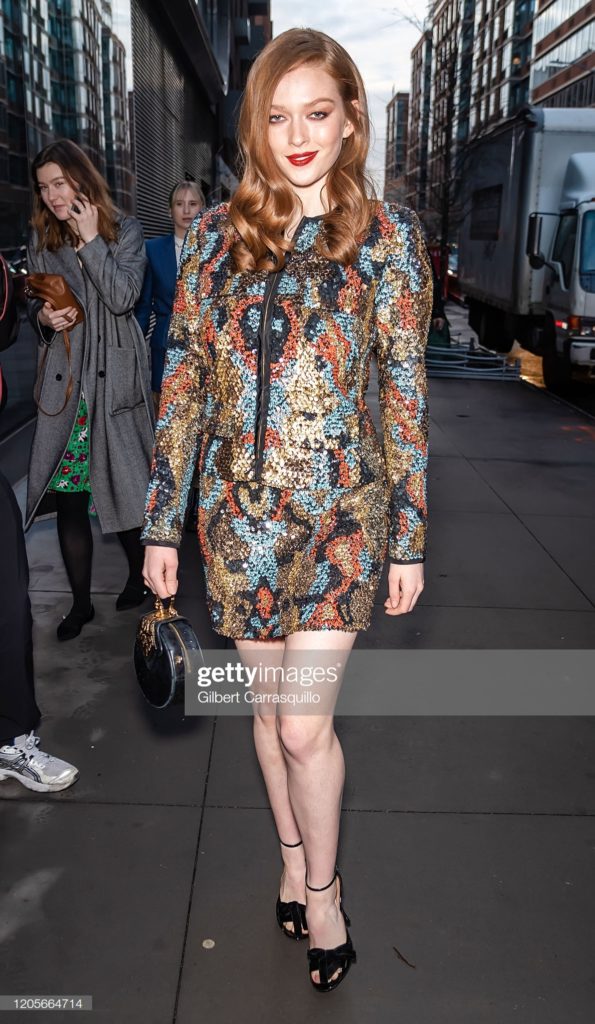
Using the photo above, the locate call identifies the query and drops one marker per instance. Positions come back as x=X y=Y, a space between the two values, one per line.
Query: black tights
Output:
x=76 y=545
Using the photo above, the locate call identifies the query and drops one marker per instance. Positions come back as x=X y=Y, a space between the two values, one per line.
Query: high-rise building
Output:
x=25 y=111
x=501 y=61
x=252 y=31
x=177 y=84
x=419 y=121
x=452 y=26
x=397 y=117
x=190 y=61
x=148 y=88
x=61 y=76
x=563 y=68
x=485 y=60
x=75 y=70
x=115 y=119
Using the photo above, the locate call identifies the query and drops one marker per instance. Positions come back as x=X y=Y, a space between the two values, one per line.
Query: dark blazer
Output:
x=158 y=291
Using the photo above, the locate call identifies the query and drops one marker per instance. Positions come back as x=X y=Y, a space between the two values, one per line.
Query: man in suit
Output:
x=157 y=297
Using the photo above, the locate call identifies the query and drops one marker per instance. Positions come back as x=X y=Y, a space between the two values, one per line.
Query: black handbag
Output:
x=166 y=650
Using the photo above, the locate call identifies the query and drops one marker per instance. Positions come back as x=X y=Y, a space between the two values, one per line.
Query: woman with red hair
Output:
x=283 y=295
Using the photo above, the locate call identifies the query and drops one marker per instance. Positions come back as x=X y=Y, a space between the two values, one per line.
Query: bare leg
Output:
x=274 y=769
x=315 y=778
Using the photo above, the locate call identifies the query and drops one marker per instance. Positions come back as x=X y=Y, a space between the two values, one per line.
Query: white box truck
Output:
x=527 y=239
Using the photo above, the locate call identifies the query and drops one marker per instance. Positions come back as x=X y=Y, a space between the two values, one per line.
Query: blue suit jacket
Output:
x=159 y=289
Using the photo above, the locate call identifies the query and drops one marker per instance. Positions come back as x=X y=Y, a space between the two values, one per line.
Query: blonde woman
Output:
x=284 y=294
x=163 y=261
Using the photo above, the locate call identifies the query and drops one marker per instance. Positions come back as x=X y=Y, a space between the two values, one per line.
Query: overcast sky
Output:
x=378 y=37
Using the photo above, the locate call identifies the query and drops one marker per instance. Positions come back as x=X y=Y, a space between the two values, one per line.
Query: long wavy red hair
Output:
x=264 y=202
x=80 y=174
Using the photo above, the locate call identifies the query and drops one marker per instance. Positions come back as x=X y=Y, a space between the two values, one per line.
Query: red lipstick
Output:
x=301 y=159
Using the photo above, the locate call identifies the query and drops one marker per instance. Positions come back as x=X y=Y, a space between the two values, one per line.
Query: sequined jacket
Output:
x=271 y=369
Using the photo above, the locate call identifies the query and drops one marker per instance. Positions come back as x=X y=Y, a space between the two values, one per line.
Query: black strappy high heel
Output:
x=292 y=912
x=327 y=961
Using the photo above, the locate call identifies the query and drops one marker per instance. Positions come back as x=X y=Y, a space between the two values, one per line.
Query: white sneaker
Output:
x=36 y=770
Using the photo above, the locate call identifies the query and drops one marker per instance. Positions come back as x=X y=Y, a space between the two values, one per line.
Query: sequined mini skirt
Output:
x=282 y=561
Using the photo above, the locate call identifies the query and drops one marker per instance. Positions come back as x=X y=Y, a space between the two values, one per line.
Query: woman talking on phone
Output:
x=284 y=294
x=94 y=432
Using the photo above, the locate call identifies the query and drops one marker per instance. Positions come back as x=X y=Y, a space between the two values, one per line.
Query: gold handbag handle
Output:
x=161 y=612
x=146 y=627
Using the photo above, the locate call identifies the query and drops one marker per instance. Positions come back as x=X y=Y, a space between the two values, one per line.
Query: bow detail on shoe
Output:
x=294 y=913
x=328 y=961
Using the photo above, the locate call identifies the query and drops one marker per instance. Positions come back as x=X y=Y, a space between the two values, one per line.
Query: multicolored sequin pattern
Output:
x=323 y=323
x=279 y=561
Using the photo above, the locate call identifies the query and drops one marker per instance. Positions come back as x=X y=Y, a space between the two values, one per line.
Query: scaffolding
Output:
x=470 y=361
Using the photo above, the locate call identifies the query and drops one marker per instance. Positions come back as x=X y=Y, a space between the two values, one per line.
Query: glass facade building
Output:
x=62 y=75
x=563 y=69
x=148 y=88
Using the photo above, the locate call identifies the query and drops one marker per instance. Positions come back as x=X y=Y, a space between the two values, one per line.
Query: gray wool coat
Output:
x=109 y=361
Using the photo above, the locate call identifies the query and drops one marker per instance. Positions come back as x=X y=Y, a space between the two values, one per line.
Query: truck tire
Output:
x=491 y=331
x=557 y=372
x=474 y=315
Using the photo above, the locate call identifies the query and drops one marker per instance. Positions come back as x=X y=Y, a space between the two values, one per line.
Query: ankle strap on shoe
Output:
x=291 y=845
x=323 y=887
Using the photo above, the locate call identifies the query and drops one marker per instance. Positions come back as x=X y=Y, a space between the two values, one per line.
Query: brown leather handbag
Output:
x=53 y=288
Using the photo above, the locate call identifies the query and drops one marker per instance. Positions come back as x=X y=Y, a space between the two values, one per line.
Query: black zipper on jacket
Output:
x=264 y=363
x=263 y=376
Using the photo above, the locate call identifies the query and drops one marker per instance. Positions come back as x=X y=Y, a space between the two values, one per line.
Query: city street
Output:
x=581 y=393
x=189 y=209
x=467 y=844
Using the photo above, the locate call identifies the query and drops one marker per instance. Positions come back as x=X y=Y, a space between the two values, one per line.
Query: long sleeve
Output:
x=118 y=277
x=183 y=390
x=403 y=306
x=144 y=306
x=34 y=266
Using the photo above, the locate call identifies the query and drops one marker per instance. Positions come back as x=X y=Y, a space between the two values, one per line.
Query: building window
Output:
x=568 y=52
x=554 y=15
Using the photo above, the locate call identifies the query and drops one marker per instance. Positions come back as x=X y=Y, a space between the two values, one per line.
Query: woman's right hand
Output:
x=57 y=319
x=160 y=570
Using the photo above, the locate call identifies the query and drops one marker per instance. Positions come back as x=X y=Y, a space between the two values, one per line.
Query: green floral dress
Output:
x=73 y=472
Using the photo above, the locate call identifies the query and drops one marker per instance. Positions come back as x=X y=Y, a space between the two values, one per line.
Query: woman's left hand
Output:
x=87 y=219
x=405 y=584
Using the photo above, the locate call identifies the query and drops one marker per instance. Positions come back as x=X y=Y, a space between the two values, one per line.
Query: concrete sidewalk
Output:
x=467 y=844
